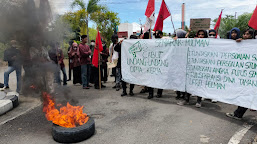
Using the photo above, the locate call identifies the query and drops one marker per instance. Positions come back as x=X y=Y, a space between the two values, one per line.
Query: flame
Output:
x=33 y=87
x=69 y=116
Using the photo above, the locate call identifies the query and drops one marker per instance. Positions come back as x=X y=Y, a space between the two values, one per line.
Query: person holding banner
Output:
x=240 y=111
x=234 y=33
x=158 y=35
x=200 y=34
x=124 y=84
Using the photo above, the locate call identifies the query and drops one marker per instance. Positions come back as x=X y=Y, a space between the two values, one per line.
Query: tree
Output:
x=229 y=22
x=85 y=12
x=106 y=20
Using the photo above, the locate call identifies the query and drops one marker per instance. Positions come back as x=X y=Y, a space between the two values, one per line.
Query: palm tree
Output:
x=88 y=9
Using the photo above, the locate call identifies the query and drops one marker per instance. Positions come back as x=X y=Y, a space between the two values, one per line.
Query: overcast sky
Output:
x=133 y=10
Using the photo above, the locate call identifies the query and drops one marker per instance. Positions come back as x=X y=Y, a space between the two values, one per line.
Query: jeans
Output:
x=64 y=76
x=118 y=76
x=9 y=70
x=85 y=74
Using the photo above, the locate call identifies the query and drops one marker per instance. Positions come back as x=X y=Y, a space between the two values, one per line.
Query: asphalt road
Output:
x=136 y=120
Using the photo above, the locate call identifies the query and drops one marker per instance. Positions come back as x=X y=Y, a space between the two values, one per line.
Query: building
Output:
x=127 y=29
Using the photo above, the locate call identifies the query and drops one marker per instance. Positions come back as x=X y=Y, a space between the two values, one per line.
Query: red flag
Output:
x=150 y=8
x=253 y=21
x=150 y=15
x=163 y=14
x=98 y=45
x=217 y=25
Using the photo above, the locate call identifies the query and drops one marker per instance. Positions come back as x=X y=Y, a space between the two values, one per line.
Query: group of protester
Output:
x=183 y=97
x=81 y=55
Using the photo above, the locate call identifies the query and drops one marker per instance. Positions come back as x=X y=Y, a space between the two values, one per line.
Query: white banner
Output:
x=223 y=70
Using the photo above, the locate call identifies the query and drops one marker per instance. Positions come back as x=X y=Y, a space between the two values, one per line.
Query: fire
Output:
x=69 y=116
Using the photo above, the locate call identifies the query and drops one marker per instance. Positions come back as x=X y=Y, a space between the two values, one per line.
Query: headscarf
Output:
x=237 y=31
x=180 y=33
x=73 y=50
x=205 y=33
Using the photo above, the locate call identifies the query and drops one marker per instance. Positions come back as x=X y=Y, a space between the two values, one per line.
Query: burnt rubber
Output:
x=73 y=135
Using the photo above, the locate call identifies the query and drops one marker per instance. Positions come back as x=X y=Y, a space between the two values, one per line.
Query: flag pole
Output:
x=150 y=32
x=100 y=84
x=173 y=24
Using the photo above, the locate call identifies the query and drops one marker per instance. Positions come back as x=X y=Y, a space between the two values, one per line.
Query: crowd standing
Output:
x=82 y=72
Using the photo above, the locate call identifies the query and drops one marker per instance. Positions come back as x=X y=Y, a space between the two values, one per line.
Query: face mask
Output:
x=92 y=43
x=211 y=37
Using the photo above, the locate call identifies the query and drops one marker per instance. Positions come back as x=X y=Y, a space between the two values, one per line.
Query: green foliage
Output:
x=229 y=22
x=92 y=33
x=106 y=21
x=80 y=18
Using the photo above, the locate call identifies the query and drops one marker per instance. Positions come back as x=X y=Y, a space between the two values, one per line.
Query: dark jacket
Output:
x=13 y=57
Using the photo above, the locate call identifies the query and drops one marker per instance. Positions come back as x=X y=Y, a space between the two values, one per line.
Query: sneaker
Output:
x=131 y=93
x=214 y=101
x=89 y=86
x=114 y=87
x=123 y=94
x=231 y=115
x=198 y=105
x=183 y=102
x=150 y=96
x=159 y=95
x=103 y=86
x=4 y=88
x=142 y=91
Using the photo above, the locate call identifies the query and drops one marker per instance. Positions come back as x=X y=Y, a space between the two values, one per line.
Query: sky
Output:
x=134 y=10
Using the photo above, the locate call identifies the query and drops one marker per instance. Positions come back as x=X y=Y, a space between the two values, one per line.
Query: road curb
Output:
x=8 y=103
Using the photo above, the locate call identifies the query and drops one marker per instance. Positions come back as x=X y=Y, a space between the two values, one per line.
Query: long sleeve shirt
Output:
x=85 y=52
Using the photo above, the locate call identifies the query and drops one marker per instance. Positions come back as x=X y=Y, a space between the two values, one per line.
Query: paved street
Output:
x=129 y=120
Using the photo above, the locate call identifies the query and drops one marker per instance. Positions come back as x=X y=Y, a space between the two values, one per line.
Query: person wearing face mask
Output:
x=74 y=56
x=240 y=111
x=212 y=33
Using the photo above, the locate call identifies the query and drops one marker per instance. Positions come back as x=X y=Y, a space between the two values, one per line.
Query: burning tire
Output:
x=71 y=135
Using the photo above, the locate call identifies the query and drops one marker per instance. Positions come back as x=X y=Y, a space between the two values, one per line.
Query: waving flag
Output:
x=253 y=21
x=150 y=18
x=163 y=14
x=217 y=25
x=98 y=46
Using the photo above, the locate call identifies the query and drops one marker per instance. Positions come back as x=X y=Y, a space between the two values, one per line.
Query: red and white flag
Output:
x=98 y=46
x=217 y=25
x=163 y=14
x=253 y=21
x=150 y=16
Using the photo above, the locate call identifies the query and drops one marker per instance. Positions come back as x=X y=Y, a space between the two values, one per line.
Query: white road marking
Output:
x=237 y=137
